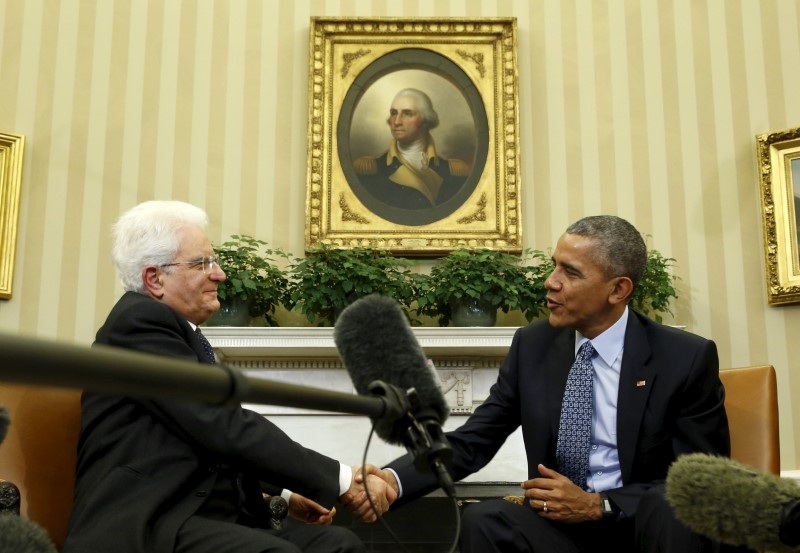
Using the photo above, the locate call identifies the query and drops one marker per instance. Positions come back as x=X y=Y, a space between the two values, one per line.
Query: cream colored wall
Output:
x=646 y=109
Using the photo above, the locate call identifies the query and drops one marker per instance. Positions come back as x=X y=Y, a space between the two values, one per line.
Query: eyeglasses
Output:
x=207 y=262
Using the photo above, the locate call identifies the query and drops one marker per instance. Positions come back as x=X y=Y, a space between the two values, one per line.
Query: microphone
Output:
x=112 y=370
x=23 y=536
x=5 y=420
x=382 y=357
x=735 y=504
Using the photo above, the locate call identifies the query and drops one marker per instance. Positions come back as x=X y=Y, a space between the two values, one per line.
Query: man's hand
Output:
x=382 y=489
x=311 y=512
x=556 y=497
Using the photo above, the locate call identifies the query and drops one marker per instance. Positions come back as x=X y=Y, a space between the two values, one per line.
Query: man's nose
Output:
x=218 y=273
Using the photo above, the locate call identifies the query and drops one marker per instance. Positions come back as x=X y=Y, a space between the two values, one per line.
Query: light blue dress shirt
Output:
x=604 y=471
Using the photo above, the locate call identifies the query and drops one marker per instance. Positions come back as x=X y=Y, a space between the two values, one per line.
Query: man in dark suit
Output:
x=163 y=475
x=654 y=394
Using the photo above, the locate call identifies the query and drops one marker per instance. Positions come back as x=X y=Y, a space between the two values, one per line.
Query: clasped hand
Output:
x=382 y=489
x=555 y=497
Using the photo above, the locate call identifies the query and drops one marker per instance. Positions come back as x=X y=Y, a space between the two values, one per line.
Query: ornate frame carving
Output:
x=778 y=155
x=12 y=147
x=468 y=68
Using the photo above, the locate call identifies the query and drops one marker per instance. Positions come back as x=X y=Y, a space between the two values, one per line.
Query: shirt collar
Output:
x=394 y=151
x=609 y=343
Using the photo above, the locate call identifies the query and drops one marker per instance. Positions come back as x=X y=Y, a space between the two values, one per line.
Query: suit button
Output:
x=201 y=493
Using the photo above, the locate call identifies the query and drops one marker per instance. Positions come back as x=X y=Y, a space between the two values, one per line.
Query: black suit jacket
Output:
x=146 y=465
x=679 y=408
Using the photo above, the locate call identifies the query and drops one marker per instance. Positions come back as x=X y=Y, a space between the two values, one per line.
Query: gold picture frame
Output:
x=468 y=69
x=12 y=147
x=778 y=155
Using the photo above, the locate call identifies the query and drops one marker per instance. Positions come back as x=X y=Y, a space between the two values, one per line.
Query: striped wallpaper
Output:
x=646 y=109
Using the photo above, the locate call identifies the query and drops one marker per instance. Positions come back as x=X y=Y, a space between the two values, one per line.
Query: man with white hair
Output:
x=166 y=475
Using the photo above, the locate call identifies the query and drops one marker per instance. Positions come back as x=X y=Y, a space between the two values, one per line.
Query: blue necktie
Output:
x=575 y=427
x=206 y=347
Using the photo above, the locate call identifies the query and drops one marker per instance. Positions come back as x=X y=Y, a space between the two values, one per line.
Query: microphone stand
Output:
x=117 y=371
x=420 y=431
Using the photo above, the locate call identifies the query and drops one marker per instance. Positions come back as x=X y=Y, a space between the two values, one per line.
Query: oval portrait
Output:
x=413 y=137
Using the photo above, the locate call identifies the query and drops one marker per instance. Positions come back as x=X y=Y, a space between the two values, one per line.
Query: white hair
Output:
x=150 y=234
x=429 y=116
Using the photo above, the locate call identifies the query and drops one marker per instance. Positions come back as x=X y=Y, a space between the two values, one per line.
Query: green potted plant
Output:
x=468 y=286
x=657 y=287
x=494 y=280
x=255 y=284
x=329 y=278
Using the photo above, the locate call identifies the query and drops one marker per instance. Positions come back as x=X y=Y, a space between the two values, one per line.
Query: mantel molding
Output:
x=317 y=342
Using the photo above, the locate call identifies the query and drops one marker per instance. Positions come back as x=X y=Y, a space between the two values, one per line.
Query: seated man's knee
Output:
x=494 y=515
x=476 y=514
x=349 y=541
x=341 y=540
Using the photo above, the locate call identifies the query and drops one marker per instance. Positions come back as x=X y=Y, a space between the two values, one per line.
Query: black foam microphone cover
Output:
x=20 y=535
x=375 y=341
x=733 y=503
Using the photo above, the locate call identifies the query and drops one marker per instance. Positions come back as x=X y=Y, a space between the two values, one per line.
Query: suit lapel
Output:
x=560 y=360
x=636 y=380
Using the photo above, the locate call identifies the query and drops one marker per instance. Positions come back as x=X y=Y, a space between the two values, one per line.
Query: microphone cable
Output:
x=385 y=524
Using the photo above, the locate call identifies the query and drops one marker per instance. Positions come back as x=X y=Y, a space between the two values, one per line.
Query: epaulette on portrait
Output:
x=366 y=166
x=458 y=168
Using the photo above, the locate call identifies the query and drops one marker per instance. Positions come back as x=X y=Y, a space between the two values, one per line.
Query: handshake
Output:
x=382 y=488
x=381 y=485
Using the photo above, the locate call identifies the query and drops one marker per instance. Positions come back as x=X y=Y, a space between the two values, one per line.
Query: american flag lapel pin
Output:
x=641 y=383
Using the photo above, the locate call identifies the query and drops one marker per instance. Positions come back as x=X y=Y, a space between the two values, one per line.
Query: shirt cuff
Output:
x=345 y=478
x=399 y=484
x=286 y=494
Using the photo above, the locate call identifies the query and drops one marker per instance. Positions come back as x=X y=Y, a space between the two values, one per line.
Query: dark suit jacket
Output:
x=146 y=465
x=679 y=409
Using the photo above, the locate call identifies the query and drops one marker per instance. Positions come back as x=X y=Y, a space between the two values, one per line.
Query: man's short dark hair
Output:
x=620 y=251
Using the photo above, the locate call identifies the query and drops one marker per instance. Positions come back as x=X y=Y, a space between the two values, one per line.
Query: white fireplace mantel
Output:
x=311 y=342
x=466 y=359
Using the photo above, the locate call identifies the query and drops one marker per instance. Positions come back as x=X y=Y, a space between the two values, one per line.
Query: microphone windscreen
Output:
x=5 y=420
x=375 y=342
x=20 y=535
x=729 y=501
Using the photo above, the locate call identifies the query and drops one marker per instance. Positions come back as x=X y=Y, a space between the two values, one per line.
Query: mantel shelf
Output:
x=312 y=342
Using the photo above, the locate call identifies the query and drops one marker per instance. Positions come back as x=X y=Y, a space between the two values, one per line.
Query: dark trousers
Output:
x=499 y=526
x=205 y=535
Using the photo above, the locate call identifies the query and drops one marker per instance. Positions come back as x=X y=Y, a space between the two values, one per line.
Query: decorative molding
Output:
x=315 y=342
x=466 y=359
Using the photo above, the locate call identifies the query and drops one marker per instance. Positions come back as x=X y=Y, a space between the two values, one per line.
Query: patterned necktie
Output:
x=206 y=347
x=575 y=427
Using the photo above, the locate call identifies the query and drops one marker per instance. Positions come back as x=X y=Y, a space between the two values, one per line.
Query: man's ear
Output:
x=153 y=279
x=623 y=288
